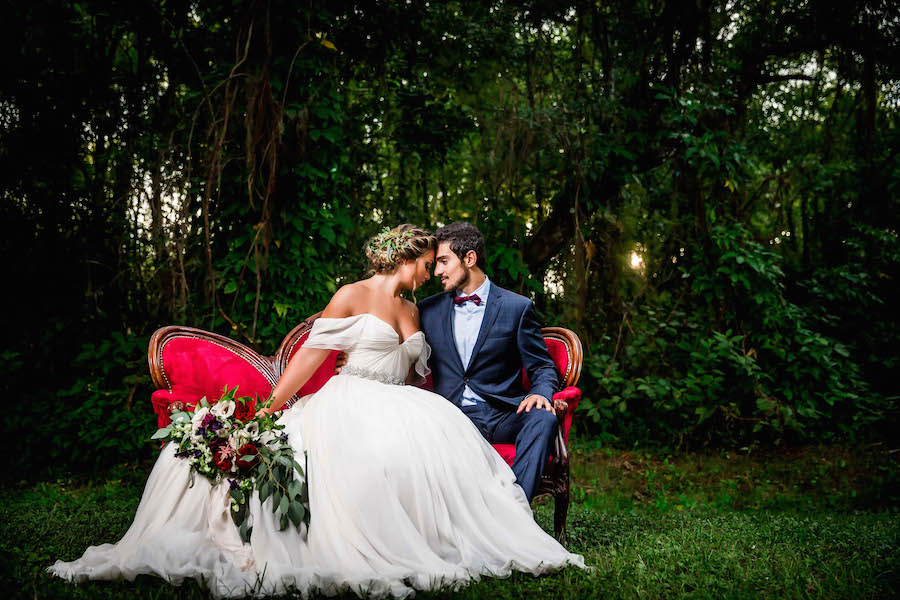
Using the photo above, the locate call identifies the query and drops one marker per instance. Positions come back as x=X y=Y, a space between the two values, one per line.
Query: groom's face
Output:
x=452 y=272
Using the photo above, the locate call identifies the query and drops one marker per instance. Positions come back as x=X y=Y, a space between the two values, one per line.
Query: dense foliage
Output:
x=705 y=191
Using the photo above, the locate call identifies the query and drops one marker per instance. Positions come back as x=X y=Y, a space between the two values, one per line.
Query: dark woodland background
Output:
x=706 y=191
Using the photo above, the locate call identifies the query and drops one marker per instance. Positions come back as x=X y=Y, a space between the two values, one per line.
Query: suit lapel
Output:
x=450 y=327
x=495 y=298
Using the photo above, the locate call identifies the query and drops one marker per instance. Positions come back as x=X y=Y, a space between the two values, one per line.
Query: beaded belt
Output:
x=373 y=375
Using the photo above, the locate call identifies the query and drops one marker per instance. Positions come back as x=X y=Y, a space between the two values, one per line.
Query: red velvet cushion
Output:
x=160 y=399
x=196 y=368
x=506 y=451
x=560 y=356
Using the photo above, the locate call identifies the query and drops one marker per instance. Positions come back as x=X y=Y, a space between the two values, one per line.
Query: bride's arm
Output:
x=307 y=360
x=303 y=364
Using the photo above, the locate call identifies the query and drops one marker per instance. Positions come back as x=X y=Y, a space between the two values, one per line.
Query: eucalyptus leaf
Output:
x=265 y=490
x=161 y=433
x=240 y=513
x=296 y=513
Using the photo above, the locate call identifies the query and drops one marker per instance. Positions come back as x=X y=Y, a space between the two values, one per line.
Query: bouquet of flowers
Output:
x=226 y=440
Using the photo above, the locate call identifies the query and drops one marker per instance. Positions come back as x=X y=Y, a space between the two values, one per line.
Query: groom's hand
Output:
x=340 y=362
x=535 y=401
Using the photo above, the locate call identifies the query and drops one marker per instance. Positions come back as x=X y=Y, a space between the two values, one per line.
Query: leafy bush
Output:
x=112 y=421
x=102 y=418
x=741 y=363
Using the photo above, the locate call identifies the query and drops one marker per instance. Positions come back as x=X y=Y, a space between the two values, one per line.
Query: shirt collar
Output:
x=482 y=292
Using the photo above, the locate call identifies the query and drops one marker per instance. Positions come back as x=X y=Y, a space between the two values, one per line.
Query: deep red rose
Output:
x=222 y=457
x=248 y=456
x=244 y=412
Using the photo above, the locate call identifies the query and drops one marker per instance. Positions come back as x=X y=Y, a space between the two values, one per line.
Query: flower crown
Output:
x=389 y=242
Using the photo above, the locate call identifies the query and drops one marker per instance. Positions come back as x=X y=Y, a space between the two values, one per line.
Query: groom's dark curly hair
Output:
x=463 y=237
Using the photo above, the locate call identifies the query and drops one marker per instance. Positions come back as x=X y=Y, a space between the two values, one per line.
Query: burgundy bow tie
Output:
x=460 y=300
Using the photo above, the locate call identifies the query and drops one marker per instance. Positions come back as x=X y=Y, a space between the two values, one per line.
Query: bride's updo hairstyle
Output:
x=387 y=250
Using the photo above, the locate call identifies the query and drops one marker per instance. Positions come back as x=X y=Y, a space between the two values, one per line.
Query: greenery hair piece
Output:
x=391 y=246
x=390 y=241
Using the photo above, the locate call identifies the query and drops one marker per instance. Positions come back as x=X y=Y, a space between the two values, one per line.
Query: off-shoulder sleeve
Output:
x=335 y=334
x=422 y=361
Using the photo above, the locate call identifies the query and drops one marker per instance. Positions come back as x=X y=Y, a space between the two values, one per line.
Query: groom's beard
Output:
x=451 y=286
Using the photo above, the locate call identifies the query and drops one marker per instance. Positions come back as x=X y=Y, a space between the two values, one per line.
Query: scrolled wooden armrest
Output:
x=561 y=407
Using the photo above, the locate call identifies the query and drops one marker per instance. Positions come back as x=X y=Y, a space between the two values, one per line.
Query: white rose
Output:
x=198 y=417
x=223 y=409
x=251 y=430
x=267 y=437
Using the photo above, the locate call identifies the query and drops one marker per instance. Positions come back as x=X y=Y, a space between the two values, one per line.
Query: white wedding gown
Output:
x=404 y=494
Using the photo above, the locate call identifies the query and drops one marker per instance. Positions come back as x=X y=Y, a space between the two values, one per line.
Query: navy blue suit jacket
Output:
x=510 y=338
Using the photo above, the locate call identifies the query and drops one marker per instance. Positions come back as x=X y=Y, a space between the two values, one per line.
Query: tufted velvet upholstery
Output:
x=187 y=364
x=195 y=368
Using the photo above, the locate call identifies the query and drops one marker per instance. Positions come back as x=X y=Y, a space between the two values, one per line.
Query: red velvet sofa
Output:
x=187 y=364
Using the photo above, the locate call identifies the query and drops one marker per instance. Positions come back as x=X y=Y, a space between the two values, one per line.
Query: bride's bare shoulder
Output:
x=345 y=300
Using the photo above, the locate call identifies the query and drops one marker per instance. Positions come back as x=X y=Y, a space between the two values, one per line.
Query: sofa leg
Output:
x=560 y=512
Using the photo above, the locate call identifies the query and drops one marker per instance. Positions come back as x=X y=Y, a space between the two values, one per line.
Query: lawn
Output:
x=804 y=523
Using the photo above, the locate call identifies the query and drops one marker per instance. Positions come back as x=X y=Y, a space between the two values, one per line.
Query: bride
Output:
x=404 y=491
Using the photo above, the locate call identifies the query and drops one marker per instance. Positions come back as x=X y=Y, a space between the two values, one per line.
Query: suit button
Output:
x=466 y=379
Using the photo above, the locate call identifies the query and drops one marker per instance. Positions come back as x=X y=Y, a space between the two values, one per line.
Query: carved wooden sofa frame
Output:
x=224 y=359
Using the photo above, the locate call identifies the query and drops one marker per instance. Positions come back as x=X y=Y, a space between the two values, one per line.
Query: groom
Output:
x=481 y=336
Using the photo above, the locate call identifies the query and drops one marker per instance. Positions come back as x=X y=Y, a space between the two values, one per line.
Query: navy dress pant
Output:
x=532 y=433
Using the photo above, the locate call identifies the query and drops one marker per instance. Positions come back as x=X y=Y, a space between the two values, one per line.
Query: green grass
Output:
x=811 y=523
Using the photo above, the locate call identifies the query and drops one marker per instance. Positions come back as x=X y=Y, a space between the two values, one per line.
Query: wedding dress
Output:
x=404 y=494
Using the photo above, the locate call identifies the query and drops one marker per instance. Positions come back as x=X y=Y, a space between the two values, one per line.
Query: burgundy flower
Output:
x=248 y=456
x=245 y=412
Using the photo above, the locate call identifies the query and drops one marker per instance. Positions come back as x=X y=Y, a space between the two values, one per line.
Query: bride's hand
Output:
x=340 y=362
x=262 y=413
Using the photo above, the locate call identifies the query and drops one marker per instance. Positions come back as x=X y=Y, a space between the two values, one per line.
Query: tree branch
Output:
x=772 y=78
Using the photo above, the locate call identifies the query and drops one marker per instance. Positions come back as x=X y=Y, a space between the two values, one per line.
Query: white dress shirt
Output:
x=467 y=319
